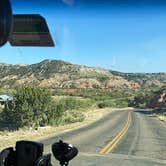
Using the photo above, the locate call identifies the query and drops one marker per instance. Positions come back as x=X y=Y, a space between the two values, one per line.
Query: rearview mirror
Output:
x=6 y=21
x=23 y=29
x=30 y=30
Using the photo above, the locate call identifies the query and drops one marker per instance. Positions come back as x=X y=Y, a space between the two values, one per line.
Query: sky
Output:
x=125 y=36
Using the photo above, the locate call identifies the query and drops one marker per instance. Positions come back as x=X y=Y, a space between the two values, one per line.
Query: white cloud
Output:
x=69 y=2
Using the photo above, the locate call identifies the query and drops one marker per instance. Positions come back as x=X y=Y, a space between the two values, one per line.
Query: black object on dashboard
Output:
x=7 y=157
x=44 y=160
x=64 y=152
x=28 y=152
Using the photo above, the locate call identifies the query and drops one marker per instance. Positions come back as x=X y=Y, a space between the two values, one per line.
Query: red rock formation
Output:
x=135 y=85
x=157 y=101
x=106 y=90
x=72 y=90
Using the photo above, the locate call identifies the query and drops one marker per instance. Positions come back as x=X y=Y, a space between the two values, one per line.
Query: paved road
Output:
x=146 y=137
x=144 y=143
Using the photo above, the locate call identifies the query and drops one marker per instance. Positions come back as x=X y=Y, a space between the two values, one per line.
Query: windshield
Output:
x=102 y=87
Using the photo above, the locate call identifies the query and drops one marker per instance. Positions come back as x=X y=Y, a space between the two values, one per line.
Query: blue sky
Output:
x=126 y=38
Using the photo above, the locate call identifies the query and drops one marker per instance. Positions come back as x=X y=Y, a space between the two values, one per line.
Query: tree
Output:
x=30 y=107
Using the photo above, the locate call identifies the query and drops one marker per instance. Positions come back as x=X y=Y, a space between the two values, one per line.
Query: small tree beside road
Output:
x=30 y=107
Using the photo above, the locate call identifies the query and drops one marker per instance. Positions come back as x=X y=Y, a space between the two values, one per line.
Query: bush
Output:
x=34 y=106
x=30 y=107
x=72 y=117
x=114 y=103
x=102 y=105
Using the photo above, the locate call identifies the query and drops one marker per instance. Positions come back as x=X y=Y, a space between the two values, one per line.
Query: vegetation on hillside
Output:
x=151 y=98
x=34 y=106
x=160 y=96
x=83 y=87
x=117 y=98
x=59 y=74
x=144 y=79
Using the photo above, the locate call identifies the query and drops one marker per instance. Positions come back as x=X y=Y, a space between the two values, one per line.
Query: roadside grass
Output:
x=162 y=118
x=1 y=108
x=58 y=98
x=9 y=138
x=160 y=114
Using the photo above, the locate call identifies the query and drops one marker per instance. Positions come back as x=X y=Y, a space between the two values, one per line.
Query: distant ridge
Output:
x=61 y=74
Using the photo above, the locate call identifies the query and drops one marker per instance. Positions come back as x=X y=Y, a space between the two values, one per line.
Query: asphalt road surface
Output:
x=143 y=144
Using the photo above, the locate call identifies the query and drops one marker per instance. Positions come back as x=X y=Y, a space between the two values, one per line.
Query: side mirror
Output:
x=6 y=21
x=64 y=152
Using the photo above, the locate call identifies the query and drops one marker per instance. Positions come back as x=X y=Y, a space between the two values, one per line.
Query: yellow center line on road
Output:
x=113 y=143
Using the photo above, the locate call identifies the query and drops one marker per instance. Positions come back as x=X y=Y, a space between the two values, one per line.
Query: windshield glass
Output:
x=102 y=87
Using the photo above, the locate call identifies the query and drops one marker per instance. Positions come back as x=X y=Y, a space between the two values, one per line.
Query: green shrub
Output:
x=73 y=116
x=34 y=106
x=30 y=107
x=102 y=105
x=116 y=103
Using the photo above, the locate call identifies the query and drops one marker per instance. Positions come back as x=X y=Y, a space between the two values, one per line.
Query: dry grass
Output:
x=9 y=138
x=57 y=98
x=162 y=118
